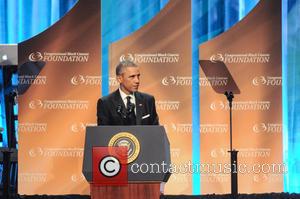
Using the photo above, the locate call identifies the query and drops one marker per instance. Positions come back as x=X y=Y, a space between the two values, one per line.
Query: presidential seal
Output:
x=130 y=141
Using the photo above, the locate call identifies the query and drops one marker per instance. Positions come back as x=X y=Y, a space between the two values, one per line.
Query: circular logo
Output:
x=34 y=152
x=259 y=80
x=128 y=140
x=36 y=56
x=78 y=127
x=217 y=57
x=217 y=105
x=35 y=104
x=261 y=127
x=77 y=178
x=218 y=152
x=109 y=166
x=78 y=79
x=169 y=80
x=128 y=57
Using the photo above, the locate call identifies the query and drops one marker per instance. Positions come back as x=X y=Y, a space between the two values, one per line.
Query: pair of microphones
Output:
x=125 y=113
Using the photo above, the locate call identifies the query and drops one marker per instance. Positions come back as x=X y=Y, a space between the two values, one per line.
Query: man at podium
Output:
x=127 y=106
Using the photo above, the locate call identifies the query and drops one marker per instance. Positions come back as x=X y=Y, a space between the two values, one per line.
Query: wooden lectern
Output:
x=153 y=147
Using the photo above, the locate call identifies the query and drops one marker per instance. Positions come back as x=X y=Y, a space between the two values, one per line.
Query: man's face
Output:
x=130 y=79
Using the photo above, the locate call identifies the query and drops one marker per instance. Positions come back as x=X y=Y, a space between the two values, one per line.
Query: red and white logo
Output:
x=110 y=165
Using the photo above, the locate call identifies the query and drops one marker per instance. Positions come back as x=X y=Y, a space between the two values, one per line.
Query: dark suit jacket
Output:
x=107 y=106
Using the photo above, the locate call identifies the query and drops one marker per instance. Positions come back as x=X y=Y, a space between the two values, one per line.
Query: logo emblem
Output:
x=216 y=58
x=262 y=127
x=35 y=56
x=126 y=139
x=78 y=79
x=168 y=80
x=259 y=80
x=78 y=127
x=217 y=105
x=127 y=57
x=109 y=165
x=34 y=104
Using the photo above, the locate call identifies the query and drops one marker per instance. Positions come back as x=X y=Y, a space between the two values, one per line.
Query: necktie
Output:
x=131 y=119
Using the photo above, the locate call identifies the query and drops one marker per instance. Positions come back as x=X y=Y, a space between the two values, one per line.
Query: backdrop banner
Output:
x=162 y=49
x=247 y=61
x=59 y=84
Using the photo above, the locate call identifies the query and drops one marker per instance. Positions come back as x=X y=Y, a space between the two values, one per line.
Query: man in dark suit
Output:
x=127 y=106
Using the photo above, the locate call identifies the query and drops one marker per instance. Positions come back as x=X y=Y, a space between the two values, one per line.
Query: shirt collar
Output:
x=124 y=95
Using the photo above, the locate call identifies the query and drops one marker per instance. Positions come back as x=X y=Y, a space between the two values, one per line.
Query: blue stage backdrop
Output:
x=21 y=20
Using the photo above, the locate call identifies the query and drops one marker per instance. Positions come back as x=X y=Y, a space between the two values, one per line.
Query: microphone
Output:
x=120 y=111
x=130 y=108
x=229 y=95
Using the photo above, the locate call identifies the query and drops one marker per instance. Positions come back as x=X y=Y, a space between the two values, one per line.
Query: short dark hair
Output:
x=124 y=64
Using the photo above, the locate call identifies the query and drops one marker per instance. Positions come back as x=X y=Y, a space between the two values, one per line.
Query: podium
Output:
x=148 y=145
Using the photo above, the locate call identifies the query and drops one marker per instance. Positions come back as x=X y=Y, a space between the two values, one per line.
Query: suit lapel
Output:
x=139 y=108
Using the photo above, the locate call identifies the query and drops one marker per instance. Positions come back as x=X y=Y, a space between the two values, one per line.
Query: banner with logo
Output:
x=59 y=84
x=247 y=61
x=162 y=49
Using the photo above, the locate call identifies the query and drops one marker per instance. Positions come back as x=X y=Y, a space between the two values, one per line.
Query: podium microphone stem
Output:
x=233 y=153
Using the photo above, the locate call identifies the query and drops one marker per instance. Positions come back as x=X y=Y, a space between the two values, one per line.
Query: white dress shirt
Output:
x=132 y=99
